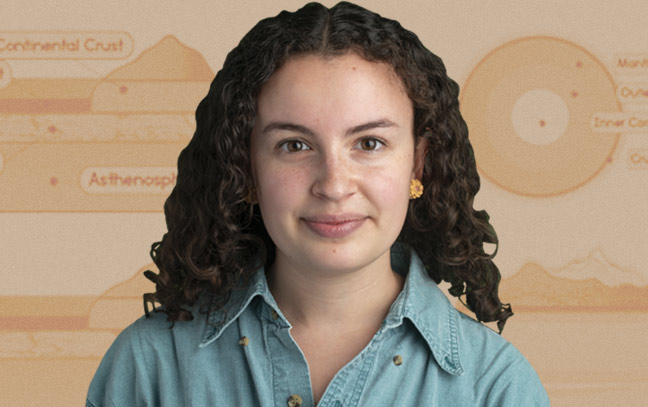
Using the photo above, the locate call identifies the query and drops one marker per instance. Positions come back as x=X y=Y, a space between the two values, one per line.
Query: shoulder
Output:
x=154 y=334
x=130 y=360
x=141 y=356
x=502 y=374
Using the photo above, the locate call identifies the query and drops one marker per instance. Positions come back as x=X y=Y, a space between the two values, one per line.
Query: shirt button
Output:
x=294 y=400
x=244 y=341
x=274 y=314
x=398 y=360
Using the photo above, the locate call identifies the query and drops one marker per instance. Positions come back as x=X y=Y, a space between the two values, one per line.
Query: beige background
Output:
x=566 y=193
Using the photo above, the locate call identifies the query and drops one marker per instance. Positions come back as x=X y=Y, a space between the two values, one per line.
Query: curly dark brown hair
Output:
x=216 y=240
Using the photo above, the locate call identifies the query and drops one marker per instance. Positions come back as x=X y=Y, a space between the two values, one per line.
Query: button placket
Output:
x=290 y=378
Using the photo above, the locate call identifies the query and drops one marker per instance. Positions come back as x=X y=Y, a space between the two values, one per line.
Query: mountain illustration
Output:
x=533 y=287
x=169 y=77
x=166 y=78
x=169 y=59
x=596 y=266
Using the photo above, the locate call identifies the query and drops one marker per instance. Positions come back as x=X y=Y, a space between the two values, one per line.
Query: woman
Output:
x=327 y=189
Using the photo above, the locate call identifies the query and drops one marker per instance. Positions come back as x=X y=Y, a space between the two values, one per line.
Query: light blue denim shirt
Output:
x=425 y=353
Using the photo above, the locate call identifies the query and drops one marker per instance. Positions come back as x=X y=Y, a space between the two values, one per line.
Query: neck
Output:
x=349 y=300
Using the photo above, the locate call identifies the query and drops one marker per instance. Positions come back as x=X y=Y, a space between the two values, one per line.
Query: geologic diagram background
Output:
x=98 y=98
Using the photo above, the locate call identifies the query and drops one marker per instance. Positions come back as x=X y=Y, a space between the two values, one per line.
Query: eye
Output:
x=293 y=146
x=370 y=144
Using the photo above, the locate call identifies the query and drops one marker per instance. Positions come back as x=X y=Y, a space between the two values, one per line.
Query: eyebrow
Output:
x=273 y=126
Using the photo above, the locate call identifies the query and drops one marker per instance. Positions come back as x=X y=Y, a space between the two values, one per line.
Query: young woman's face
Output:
x=332 y=155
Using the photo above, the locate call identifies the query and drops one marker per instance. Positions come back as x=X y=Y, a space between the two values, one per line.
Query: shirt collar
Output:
x=238 y=301
x=421 y=301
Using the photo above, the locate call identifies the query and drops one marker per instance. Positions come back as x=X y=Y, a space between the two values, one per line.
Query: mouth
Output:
x=334 y=226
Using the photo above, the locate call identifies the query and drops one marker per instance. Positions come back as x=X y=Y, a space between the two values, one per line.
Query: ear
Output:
x=420 y=152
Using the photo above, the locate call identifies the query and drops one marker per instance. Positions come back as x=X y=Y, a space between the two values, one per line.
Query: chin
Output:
x=341 y=259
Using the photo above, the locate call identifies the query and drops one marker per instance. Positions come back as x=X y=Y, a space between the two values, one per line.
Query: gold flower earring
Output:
x=416 y=189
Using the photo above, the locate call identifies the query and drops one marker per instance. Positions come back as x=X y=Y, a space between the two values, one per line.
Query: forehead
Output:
x=346 y=86
x=350 y=63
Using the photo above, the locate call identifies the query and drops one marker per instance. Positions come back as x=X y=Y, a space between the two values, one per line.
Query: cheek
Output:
x=389 y=190
x=279 y=189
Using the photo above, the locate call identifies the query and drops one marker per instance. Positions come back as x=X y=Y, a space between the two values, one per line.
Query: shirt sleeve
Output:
x=518 y=385
x=126 y=376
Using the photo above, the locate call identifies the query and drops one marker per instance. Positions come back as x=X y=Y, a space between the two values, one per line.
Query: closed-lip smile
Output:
x=334 y=226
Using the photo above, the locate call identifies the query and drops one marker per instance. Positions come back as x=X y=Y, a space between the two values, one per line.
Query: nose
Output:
x=334 y=178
